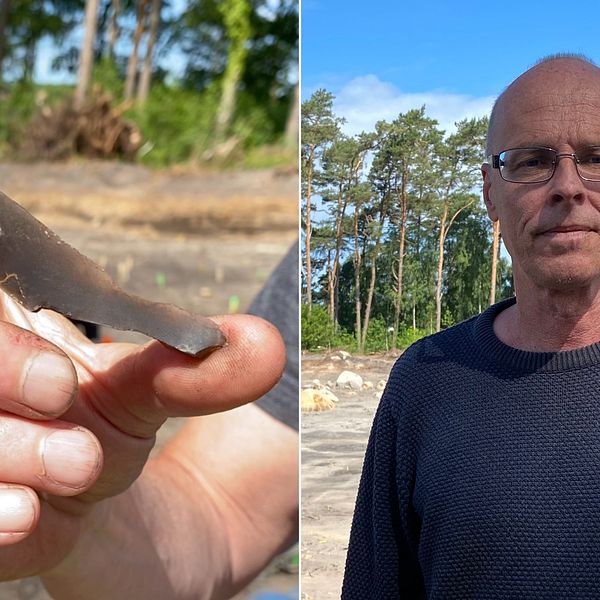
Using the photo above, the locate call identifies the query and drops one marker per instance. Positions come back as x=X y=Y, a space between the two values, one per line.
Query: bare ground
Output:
x=333 y=447
x=204 y=241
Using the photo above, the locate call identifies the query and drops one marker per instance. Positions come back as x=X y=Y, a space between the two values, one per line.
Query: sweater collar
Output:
x=521 y=360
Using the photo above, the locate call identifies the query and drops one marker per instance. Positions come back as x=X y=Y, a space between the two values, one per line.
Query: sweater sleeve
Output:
x=278 y=303
x=381 y=562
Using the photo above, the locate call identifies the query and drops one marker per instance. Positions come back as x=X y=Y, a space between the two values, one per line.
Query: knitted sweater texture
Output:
x=482 y=474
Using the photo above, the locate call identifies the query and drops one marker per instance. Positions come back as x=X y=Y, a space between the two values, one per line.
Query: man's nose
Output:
x=566 y=182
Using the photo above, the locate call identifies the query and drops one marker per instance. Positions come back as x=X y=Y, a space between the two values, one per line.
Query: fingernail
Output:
x=17 y=510
x=49 y=384
x=71 y=458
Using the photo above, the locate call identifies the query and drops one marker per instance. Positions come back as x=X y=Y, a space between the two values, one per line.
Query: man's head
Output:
x=552 y=228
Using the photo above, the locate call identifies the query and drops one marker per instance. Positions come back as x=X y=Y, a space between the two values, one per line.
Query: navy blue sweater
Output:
x=482 y=474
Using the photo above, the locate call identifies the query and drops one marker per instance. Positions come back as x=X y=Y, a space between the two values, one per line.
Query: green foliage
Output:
x=316 y=328
x=319 y=125
x=18 y=103
x=108 y=77
x=178 y=124
x=174 y=122
x=272 y=44
x=236 y=18
x=16 y=107
x=468 y=266
x=269 y=157
x=254 y=125
x=318 y=332
x=378 y=337
x=408 y=336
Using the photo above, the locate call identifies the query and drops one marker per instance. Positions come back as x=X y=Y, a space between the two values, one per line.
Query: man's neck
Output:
x=545 y=320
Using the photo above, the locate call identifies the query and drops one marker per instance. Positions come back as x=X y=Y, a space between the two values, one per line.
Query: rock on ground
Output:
x=381 y=384
x=348 y=379
x=316 y=400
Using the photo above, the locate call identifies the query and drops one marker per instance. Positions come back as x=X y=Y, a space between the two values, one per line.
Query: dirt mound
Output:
x=97 y=130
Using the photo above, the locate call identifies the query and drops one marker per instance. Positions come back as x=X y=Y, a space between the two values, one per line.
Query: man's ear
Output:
x=486 y=173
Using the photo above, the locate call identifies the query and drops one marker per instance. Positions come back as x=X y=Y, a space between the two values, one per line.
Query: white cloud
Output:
x=365 y=100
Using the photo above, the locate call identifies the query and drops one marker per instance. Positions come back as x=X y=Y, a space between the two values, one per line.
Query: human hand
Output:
x=78 y=428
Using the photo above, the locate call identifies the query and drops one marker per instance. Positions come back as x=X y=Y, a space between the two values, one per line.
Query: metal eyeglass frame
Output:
x=495 y=163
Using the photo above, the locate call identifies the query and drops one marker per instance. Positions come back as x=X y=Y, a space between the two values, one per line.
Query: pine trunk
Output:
x=132 y=63
x=357 y=266
x=440 y=270
x=113 y=31
x=86 y=59
x=341 y=213
x=330 y=289
x=371 y=291
x=400 y=271
x=445 y=226
x=308 y=229
x=4 y=10
x=146 y=76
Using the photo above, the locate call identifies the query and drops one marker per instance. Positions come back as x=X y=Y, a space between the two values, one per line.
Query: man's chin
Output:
x=556 y=275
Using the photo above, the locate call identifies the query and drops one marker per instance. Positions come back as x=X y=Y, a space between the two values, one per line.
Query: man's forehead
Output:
x=558 y=73
x=550 y=105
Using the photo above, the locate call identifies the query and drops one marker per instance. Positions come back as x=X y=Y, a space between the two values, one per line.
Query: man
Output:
x=482 y=474
x=78 y=503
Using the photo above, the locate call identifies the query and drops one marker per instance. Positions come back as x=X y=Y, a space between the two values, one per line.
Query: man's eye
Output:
x=530 y=162
x=592 y=159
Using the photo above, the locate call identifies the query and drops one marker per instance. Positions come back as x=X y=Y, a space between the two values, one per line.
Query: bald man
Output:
x=482 y=473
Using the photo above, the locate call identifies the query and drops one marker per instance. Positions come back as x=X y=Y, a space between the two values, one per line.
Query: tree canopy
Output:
x=226 y=72
x=402 y=246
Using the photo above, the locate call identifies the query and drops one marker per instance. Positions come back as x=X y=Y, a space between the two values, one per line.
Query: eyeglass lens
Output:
x=530 y=165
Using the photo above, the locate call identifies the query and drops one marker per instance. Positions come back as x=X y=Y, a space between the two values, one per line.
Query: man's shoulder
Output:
x=432 y=355
x=423 y=370
x=440 y=345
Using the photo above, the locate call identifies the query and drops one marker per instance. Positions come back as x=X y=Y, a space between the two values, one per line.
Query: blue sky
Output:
x=382 y=58
x=173 y=60
x=47 y=51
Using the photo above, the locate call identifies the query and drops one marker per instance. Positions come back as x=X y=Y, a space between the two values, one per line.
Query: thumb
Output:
x=154 y=382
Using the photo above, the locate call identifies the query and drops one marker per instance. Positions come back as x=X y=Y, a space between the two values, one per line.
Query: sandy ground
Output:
x=204 y=241
x=333 y=447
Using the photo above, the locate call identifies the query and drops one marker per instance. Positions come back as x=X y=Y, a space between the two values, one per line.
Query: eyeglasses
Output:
x=536 y=165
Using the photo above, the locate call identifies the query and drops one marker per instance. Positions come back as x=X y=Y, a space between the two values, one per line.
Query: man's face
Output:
x=551 y=229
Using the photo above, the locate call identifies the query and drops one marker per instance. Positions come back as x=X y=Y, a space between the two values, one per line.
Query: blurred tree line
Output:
x=196 y=80
x=396 y=243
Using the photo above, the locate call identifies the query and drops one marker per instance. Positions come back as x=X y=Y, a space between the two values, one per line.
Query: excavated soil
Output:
x=333 y=447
